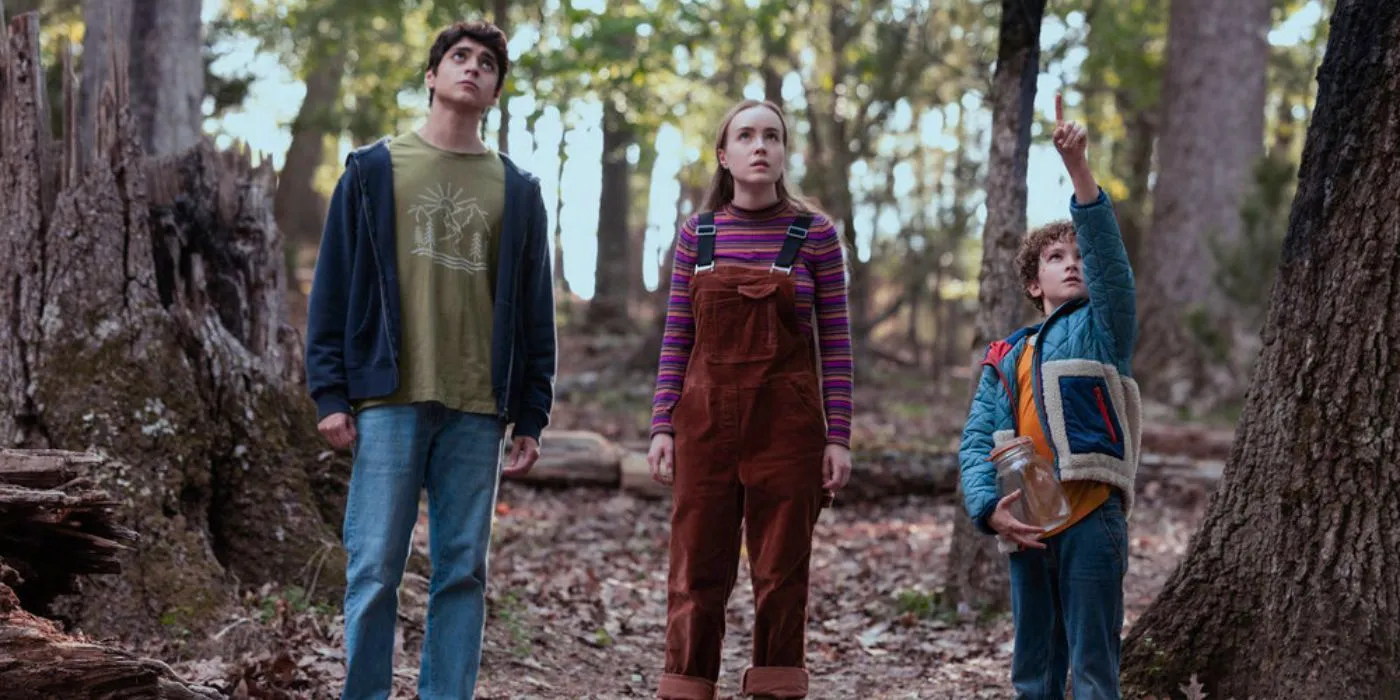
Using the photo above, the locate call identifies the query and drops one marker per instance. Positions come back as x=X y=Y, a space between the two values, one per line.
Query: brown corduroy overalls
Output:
x=750 y=432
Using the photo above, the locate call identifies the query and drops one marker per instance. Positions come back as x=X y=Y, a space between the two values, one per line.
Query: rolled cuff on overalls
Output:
x=775 y=681
x=674 y=686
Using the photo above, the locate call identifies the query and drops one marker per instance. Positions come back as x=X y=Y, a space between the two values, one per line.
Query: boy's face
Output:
x=466 y=78
x=1060 y=276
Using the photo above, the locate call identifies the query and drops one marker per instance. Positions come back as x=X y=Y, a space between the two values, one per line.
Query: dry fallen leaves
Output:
x=577 y=607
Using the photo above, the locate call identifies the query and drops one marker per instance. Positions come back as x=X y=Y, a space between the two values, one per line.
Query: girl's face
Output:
x=753 y=149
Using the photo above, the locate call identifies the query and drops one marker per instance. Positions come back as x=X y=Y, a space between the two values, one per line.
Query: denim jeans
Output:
x=1067 y=603
x=401 y=449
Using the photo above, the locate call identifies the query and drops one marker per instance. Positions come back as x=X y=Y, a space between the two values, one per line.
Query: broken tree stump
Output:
x=142 y=302
x=54 y=525
x=54 y=528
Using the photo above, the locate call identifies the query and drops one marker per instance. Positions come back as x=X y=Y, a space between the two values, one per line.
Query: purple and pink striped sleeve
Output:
x=827 y=259
x=679 y=334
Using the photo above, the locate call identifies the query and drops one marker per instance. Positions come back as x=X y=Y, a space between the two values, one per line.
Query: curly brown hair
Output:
x=1035 y=243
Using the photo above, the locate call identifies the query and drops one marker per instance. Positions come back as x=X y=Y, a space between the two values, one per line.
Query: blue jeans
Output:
x=401 y=449
x=1067 y=603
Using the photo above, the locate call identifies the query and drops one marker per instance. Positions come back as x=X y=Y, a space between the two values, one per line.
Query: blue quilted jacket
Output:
x=1087 y=401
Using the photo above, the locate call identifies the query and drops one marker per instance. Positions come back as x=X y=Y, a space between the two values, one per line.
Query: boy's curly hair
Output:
x=1035 y=242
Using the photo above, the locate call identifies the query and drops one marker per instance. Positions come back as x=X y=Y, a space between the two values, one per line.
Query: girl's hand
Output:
x=836 y=467
x=660 y=455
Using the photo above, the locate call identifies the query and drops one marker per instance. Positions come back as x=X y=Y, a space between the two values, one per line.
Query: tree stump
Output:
x=142 y=303
x=54 y=526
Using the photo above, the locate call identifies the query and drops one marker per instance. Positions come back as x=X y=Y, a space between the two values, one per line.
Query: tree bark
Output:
x=1215 y=49
x=106 y=30
x=608 y=310
x=167 y=74
x=977 y=573
x=1289 y=587
x=145 y=317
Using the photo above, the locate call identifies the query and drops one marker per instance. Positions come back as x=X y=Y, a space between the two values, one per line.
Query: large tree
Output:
x=977 y=573
x=1212 y=134
x=1289 y=589
x=144 y=317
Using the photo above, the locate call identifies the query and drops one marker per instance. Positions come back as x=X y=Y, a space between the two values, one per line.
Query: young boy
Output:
x=1065 y=384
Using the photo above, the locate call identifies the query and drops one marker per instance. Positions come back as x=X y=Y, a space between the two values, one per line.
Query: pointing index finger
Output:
x=1059 y=108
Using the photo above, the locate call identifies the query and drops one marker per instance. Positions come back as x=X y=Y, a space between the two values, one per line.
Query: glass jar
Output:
x=1042 y=503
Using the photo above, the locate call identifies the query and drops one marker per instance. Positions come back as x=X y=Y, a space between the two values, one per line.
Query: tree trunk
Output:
x=167 y=74
x=300 y=209
x=500 y=15
x=561 y=283
x=977 y=573
x=1133 y=211
x=54 y=527
x=1288 y=589
x=608 y=310
x=1215 y=48
x=145 y=318
x=106 y=26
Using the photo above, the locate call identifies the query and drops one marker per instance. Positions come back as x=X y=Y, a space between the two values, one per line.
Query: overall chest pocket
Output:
x=740 y=325
x=1091 y=420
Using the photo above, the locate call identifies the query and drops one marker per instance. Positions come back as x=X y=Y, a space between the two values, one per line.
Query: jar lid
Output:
x=1022 y=441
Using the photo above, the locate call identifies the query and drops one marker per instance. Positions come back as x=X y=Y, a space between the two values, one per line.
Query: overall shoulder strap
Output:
x=796 y=236
x=705 y=241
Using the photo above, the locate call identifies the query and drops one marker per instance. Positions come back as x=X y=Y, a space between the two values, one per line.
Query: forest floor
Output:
x=577 y=602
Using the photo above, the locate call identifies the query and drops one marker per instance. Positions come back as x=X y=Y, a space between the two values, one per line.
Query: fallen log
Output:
x=584 y=458
x=1196 y=441
x=576 y=457
x=54 y=528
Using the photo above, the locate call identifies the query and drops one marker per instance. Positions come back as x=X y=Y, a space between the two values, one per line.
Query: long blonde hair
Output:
x=721 y=190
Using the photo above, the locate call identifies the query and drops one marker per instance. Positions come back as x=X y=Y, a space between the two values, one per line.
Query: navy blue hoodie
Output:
x=352 y=340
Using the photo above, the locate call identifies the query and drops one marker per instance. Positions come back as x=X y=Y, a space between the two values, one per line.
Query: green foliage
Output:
x=509 y=610
x=920 y=604
x=295 y=599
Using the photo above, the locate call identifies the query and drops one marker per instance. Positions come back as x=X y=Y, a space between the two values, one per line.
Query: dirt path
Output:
x=577 y=607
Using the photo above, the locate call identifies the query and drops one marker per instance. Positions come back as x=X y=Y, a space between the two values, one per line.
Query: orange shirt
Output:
x=1084 y=496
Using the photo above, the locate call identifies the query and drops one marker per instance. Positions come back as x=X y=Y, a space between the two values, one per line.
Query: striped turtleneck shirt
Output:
x=750 y=237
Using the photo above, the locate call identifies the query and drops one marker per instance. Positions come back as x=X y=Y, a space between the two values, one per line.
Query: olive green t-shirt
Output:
x=447 y=224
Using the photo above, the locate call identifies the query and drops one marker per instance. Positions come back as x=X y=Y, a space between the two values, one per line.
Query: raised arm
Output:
x=1107 y=272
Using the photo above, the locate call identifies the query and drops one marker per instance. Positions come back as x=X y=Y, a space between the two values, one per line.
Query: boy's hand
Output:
x=1012 y=529
x=1072 y=141
x=524 y=451
x=338 y=429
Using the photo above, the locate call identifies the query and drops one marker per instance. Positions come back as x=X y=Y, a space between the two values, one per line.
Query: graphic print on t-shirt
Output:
x=450 y=228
